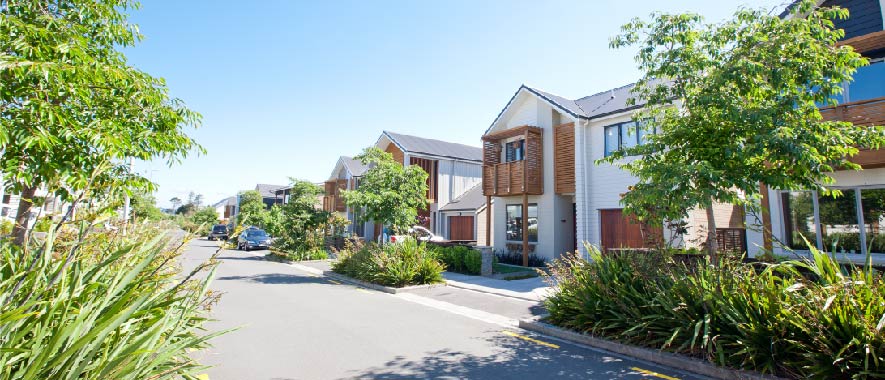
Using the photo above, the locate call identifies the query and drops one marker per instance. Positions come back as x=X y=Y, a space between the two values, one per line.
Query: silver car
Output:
x=253 y=239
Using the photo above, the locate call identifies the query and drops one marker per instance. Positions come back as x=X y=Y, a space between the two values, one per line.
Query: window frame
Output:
x=637 y=135
x=507 y=149
x=518 y=206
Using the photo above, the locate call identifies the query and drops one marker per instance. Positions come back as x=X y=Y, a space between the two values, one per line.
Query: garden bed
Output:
x=809 y=319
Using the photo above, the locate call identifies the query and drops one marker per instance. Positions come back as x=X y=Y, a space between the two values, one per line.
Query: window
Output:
x=624 y=135
x=514 y=222
x=868 y=83
x=514 y=151
x=837 y=220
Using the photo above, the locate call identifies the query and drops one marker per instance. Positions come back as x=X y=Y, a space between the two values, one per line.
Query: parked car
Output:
x=253 y=238
x=220 y=232
x=420 y=233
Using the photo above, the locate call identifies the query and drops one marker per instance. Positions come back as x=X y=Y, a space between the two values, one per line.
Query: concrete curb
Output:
x=488 y=290
x=380 y=288
x=659 y=357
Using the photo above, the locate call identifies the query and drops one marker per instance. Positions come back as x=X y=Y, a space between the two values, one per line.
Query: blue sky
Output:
x=285 y=87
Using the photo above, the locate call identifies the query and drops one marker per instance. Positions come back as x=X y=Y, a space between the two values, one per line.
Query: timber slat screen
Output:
x=867 y=113
x=339 y=201
x=564 y=158
x=524 y=176
x=431 y=167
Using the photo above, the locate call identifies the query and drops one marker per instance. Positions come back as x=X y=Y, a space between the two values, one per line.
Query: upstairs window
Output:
x=868 y=83
x=624 y=135
x=514 y=151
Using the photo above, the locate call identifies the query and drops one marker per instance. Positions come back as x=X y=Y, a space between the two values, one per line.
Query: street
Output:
x=296 y=325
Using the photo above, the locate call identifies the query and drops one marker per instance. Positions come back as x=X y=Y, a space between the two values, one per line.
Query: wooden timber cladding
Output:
x=867 y=113
x=564 y=158
x=431 y=167
x=515 y=177
x=398 y=155
x=332 y=200
x=867 y=42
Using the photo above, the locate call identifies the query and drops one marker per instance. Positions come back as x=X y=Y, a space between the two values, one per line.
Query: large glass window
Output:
x=624 y=135
x=514 y=222
x=837 y=220
x=873 y=204
x=868 y=83
x=799 y=219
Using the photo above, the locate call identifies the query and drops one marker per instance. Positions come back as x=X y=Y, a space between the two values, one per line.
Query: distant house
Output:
x=226 y=208
x=345 y=176
x=45 y=205
x=269 y=194
x=452 y=170
x=464 y=217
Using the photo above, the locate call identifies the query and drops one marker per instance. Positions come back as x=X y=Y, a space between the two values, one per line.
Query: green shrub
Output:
x=6 y=227
x=43 y=225
x=794 y=319
x=460 y=259
x=100 y=307
x=310 y=254
x=402 y=264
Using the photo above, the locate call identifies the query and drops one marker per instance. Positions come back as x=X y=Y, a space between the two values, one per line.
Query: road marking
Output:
x=535 y=341
x=653 y=373
x=203 y=376
x=334 y=282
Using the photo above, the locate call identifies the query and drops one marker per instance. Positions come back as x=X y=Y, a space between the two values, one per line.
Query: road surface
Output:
x=295 y=325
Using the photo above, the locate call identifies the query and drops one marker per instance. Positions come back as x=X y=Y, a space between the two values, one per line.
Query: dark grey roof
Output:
x=268 y=191
x=471 y=200
x=589 y=107
x=432 y=147
x=229 y=201
x=354 y=166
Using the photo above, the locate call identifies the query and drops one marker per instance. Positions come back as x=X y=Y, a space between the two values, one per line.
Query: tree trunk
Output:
x=23 y=216
x=712 y=245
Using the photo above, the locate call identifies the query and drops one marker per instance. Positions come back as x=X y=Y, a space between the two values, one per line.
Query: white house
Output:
x=539 y=156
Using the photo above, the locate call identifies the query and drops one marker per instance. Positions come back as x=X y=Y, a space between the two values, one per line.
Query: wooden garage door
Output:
x=461 y=228
x=620 y=231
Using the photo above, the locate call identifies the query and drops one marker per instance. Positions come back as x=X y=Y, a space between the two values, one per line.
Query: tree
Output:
x=252 y=210
x=206 y=216
x=735 y=105
x=301 y=221
x=144 y=206
x=389 y=193
x=72 y=111
x=176 y=203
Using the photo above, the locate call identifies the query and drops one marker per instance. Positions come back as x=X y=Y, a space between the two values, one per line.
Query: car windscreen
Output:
x=256 y=234
x=219 y=229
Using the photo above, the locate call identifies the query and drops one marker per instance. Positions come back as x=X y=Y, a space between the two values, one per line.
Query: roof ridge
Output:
x=609 y=90
x=430 y=138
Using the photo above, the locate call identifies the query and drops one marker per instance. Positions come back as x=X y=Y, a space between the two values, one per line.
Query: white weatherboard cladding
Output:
x=525 y=112
x=605 y=183
x=455 y=178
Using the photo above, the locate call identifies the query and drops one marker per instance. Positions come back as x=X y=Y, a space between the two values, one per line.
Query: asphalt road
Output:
x=294 y=325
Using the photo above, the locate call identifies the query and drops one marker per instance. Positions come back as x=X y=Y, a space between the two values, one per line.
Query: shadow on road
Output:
x=274 y=279
x=516 y=359
x=245 y=258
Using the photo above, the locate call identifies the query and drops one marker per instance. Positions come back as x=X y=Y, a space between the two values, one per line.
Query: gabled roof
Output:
x=268 y=191
x=354 y=166
x=229 y=201
x=471 y=200
x=433 y=147
x=589 y=107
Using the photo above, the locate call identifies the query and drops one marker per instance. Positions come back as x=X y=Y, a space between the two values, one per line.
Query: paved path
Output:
x=299 y=326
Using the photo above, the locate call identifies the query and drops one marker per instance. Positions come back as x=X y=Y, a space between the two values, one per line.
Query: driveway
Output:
x=294 y=325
